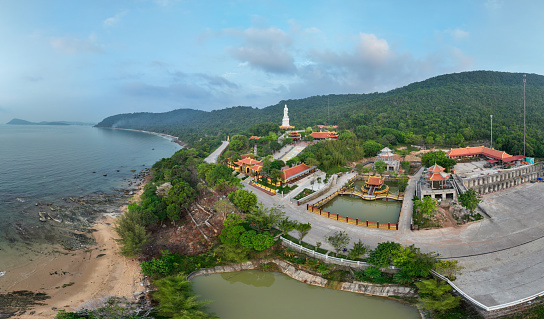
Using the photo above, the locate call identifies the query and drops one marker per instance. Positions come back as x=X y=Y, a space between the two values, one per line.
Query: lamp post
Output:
x=491 y=130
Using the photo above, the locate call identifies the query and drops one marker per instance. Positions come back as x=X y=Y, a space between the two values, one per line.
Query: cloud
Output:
x=371 y=65
x=70 y=45
x=493 y=5
x=110 y=22
x=266 y=49
x=175 y=90
x=457 y=34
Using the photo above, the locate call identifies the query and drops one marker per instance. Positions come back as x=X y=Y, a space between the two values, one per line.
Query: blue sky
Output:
x=85 y=60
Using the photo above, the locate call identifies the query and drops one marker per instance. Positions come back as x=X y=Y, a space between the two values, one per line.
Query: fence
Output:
x=323 y=257
x=265 y=189
x=482 y=306
x=353 y=221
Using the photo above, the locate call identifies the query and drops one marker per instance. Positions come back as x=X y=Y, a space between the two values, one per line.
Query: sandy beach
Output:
x=74 y=278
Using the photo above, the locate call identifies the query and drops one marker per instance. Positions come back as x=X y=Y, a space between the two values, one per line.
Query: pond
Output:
x=372 y=210
x=258 y=294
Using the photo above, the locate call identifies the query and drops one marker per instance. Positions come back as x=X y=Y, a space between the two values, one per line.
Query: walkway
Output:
x=503 y=256
x=212 y=158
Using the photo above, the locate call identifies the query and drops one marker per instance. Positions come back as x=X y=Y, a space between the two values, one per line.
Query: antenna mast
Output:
x=491 y=130
x=328 y=112
x=524 y=81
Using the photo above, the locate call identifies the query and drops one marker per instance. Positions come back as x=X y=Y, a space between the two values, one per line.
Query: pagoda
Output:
x=436 y=176
x=386 y=155
x=374 y=183
x=294 y=135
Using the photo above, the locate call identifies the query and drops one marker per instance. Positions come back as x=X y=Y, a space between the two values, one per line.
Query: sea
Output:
x=43 y=163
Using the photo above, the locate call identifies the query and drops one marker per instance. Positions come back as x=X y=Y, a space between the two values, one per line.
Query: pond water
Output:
x=257 y=294
x=372 y=210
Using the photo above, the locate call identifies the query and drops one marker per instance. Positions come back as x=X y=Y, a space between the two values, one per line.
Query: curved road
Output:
x=503 y=256
x=212 y=158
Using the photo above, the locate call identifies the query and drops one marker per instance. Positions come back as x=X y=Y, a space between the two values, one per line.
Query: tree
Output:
x=223 y=207
x=180 y=195
x=437 y=157
x=380 y=167
x=470 y=200
x=262 y=218
x=427 y=206
x=243 y=200
x=232 y=230
x=339 y=240
x=303 y=230
x=176 y=300
x=435 y=295
x=286 y=225
x=359 y=249
x=262 y=241
x=372 y=147
x=382 y=255
x=448 y=268
x=405 y=165
x=131 y=229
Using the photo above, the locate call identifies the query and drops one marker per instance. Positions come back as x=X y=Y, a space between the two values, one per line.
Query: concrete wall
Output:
x=505 y=179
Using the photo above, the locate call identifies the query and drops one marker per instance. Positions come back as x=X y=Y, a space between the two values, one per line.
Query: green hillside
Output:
x=447 y=110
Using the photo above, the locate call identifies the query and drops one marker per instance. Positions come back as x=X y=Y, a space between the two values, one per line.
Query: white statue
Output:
x=285 y=121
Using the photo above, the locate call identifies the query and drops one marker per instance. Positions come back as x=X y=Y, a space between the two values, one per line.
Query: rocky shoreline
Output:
x=74 y=229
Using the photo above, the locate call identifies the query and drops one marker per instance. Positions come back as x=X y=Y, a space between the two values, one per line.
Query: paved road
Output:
x=212 y=158
x=503 y=256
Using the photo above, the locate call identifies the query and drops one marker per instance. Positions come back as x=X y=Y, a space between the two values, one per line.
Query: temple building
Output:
x=290 y=175
x=480 y=152
x=324 y=136
x=285 y=121
x=386 y=155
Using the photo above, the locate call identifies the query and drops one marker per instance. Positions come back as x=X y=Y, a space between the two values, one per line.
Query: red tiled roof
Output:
x=286 y=127
x=323 y=135
x=479 y=150
x=255 y=137
x=248 y=162
x=248 y=155
x=256 y=168
x=435 y=169
x=375 y=180
x=438 y=177
x=288 y=173
x=513 y=158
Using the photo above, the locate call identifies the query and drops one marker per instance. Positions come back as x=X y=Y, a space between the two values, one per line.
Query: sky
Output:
x=86 y=60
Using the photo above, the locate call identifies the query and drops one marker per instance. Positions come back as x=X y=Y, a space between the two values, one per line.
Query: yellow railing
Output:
x=354 y=221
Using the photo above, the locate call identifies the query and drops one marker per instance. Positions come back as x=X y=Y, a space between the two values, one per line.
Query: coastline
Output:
x=72 y=278
x=171 y=137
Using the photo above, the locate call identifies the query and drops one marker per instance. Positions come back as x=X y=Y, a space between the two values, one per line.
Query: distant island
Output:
x=23 y=122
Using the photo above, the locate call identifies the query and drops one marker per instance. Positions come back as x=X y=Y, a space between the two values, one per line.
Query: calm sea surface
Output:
x=46 y=163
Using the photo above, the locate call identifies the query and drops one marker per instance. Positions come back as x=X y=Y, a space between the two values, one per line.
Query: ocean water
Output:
x=47 y=163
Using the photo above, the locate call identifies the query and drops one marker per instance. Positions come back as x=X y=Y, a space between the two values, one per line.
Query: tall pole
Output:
x=524 y=80
x=328 y=112
x=491 y=130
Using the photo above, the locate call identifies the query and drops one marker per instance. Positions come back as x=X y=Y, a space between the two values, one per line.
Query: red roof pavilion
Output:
x=375 y=181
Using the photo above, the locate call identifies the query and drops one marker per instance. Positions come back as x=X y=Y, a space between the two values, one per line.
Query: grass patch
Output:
x=304 y=193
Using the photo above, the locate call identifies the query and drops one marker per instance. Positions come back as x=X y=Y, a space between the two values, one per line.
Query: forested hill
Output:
x=446 y=110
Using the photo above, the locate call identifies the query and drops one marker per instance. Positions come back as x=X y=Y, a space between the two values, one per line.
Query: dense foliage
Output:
x=446 y=110
x=179 y=174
